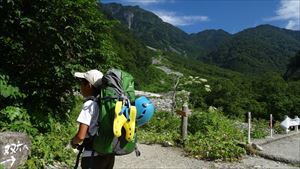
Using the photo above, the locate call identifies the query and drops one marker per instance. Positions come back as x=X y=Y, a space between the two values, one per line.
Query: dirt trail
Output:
x=156 y=156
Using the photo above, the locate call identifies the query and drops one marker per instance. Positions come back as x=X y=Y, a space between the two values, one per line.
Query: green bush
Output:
x=51 y=146
x=260 y=128
x=78 y=38
x=7 y=90
x=16 y=119
x=213 y=136
x=163 y=127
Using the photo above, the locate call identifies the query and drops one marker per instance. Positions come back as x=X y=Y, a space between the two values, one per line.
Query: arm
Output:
x=79 y=137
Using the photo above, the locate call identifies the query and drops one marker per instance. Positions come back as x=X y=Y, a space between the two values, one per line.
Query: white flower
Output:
x=203 y=80
x=207 y=86
x=188 y=82
x=208 y=89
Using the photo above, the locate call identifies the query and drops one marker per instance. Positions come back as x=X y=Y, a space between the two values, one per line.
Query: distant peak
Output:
x=266 y=26
x=211 y=31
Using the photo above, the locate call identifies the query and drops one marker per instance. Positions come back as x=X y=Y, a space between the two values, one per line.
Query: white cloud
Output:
x=289 y=11
x=293 y=25
x=180 y=20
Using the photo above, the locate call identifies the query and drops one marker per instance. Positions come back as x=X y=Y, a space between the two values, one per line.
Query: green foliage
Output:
x=8 y=91
x=163 y=127
x=51 y=146
x=46 y=148
x=148 y=27
x=16 y=119
x=227 y=96
x=197 y=88
x=153 y=80
x=251 y=51
x=274 y=93
x=293 y=68
x=133 y=56
x=44 y=42
x=257 y=50
x=13 y=117
x=260 y=128
x=9 y=95
x=205 y=42
x=213 y=136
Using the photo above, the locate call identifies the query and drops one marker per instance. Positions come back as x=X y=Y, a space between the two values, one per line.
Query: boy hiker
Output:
x=89 y=86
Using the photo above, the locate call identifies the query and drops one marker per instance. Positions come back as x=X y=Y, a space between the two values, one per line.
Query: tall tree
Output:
x=42 y=42
x=293 y=67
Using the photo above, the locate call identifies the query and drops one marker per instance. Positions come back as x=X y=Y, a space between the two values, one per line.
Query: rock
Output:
x=147 y=94
x=15 y=148
x=257 y=147
x=167 y=144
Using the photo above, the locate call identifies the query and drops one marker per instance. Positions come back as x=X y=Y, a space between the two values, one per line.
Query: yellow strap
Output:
x=130 y=125
x=119 y=120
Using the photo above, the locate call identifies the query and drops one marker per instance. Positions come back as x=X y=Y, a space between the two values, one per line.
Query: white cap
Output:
x=93 y=76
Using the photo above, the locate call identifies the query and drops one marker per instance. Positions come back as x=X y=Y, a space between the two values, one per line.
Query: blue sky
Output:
x=233 y=16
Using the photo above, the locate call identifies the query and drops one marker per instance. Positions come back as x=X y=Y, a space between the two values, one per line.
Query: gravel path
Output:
x=156 y=156
x=287 y=149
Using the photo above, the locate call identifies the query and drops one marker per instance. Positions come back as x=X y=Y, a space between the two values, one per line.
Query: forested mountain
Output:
x=293 y=71
x=132 y=55
x=148 y=26
x=259 y=49
x=253 y=50
x=203 y=43
x=131 y=39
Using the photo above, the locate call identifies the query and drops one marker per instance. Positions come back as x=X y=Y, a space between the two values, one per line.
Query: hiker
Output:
x=88 y=117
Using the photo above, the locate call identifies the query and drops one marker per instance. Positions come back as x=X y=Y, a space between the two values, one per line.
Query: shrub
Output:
x=51 y=146
x=16 y=119
x=213 y=136
x=260 y=128
x=163 y=127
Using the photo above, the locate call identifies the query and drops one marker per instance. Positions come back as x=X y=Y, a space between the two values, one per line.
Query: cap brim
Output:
x=79 y=75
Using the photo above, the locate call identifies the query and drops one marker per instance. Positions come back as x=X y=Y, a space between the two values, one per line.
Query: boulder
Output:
x=14 y=149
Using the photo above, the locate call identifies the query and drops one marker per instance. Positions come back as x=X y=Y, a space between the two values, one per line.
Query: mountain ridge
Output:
x=252 y=50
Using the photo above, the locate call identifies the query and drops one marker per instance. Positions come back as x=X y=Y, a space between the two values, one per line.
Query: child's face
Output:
x=85 y=88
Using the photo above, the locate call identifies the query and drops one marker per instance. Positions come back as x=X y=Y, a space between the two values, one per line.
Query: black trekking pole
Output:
x=80 y=148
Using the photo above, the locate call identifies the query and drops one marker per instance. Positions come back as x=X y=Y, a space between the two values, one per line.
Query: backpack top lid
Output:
x=121 y=82
x=145 y=110
x=113 y=79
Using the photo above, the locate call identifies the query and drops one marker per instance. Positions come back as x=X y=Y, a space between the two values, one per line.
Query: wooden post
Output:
x=184 y=121
x=271 y=125
x=249 y=127
x=296 y=127
x=184 y=113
